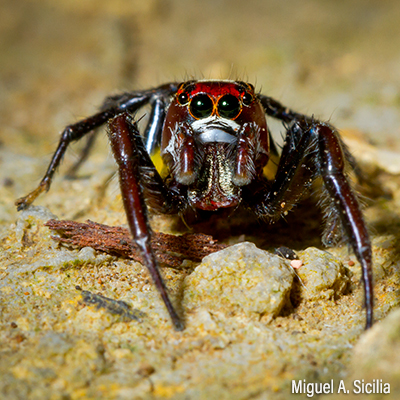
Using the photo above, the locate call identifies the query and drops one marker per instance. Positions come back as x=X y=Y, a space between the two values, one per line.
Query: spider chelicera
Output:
x=214 y=140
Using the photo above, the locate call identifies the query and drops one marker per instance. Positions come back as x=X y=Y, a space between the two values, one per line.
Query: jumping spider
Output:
x=214 y=140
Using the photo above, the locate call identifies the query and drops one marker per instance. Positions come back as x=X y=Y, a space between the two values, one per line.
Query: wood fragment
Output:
x=169 y=249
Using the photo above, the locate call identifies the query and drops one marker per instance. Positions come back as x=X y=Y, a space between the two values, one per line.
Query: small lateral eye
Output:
x=229 y=106
x=201 y=106
x=183 y=98
x=247 y=99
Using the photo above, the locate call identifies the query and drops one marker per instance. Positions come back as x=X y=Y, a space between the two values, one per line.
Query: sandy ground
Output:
x=336 y=60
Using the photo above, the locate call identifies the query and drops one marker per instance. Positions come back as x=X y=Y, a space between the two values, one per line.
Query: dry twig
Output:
x=169 y=249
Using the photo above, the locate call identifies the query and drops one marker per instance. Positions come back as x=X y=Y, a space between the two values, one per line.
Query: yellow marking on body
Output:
x=158 y=162
x=269 y=171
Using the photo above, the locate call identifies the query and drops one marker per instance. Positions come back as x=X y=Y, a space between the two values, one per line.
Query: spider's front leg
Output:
x=313 y=149
x=133 y=166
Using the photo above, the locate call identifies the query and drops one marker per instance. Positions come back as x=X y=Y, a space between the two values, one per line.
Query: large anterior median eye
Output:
x=201 y=106
x=228 y=106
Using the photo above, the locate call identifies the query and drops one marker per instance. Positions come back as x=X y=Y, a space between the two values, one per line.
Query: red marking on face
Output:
x=225 y=99
x=216 y=89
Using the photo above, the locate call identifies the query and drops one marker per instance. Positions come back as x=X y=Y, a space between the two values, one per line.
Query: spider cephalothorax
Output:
x=215 y=143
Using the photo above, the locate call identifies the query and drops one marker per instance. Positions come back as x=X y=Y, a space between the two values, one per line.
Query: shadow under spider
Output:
x=300 y=229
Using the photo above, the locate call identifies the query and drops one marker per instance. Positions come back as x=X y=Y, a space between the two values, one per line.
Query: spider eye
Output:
x=201 y=106
x=247 y=99
x=228 y=106
x=183 y=98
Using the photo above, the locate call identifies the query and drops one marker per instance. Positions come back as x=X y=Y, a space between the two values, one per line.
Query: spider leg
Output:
x=332 y=166
x=295 y=174
x=91 y=139
x=314 y=149
x=152 y=133
x=277 y=110
x=159 y=197
x=125 y=143
x=112 y=106
x=117 y=102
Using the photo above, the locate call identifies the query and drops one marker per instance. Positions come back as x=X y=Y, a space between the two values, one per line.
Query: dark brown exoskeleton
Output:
x=215 y=142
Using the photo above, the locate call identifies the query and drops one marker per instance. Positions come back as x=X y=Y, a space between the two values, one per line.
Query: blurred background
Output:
x=336 y=59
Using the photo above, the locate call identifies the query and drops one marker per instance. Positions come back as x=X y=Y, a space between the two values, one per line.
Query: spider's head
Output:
x=215 y=140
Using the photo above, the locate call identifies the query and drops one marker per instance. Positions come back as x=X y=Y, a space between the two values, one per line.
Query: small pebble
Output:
x=240 y=277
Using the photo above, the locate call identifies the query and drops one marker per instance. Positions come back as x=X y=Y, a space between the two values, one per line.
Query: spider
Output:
x=214 y=140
